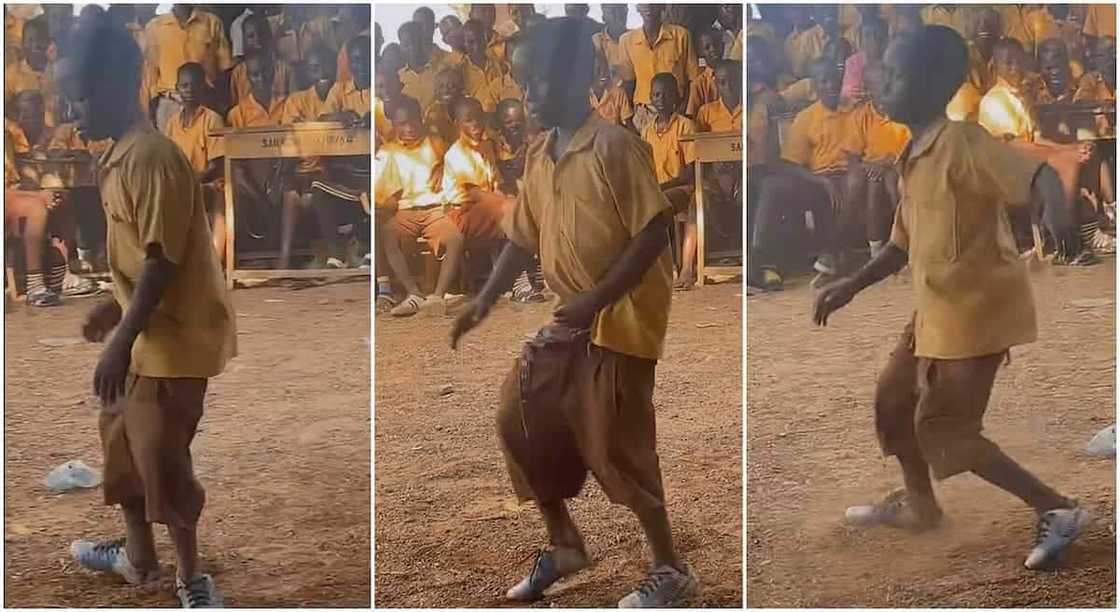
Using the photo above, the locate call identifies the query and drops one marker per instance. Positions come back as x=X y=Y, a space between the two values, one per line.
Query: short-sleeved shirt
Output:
x=761 y=145
x=816 y=139
x=306 y=105
x=609 y=47
x=701 y=91
x=438 y=120
x=803 y=48
x=489 y=84
x=875 y=137
x=151 y=197
x=580 y=213
x=21 y=77
x=383 y=127
x=614 y=105
x=469 y=163
x=671 y=52
x=1016 y=25
x=716 y=117
x=195 y=140
x=1092 y=87
x=283 y=81
x=420 y=85
x=410 y=170
x=973 y=293
x=345 y=96
x=169 y=45
x=965 y=105
x=1005 y=113
x=250 y=113
x=1100 y=20
x=671 y=155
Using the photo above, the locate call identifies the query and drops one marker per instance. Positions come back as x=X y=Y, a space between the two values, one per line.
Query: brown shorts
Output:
x=147 y=447
x=568 y=407
x=431 y=224
x=481 y=222
x=935 y=406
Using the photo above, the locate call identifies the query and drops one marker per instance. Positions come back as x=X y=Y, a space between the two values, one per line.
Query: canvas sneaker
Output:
x=664 y=587
x=198 y=592
x=1057 y=529
x=550 y=565
x=107 y=557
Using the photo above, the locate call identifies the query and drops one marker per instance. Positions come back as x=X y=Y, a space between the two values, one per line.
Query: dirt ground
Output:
x=812 y=452
x=283 y=452
x=448 y=529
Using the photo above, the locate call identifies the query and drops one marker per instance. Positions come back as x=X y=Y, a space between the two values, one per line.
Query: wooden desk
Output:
x=712 y=147
x=311 y=139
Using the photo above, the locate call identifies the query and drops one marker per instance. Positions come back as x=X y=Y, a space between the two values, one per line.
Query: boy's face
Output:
x=427 y=23
x=513 y=124
x=1103 y=59
x=730 y=86
x=711 y=49
x=35 y=45
x=260 y=77
x=1055 y=69
x=452 y=33
x=1008 y=62
x=408 y=125
x=547 y=96
x=253 y=37
x=664 y=98
x=189 y=87
x=485 y=13
x=93 y=106
x=412 y=49
x=614 y=16
x=577 y=11
x=984 y=38
x=470 y=122
x=359 y=65
x=320 y=69
x=392 y=58
x=387 y=86
x=900 y=97
x=651 y=14
x=449 y=87
x=474 y=42
x=826 y=80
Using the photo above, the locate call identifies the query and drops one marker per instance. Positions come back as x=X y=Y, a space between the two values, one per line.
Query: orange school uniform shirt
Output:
x=251 y=113
x=1100 y=20
x=716 y=117
x=608 y=47
x=420 y=85
x=490 y=83
x=469 y=163
x=169 y=45
x=671 y=155
x=345 y=96
x=613 y=105
x=283 y=80
x=1006 y=112
x=194 y=138
x=671 y=52
x=412 y=170
x=802 y=48
x=816 y=139
x=761 y=145
x=1092 y=87
x=875 y=137
x=701 y=91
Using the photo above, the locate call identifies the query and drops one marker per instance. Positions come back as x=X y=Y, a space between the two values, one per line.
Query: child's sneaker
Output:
x=550 y=565
x=895 y=510
x=108 y=557
x=43 y=297
x=664 y=587
x=1057 y=529
x=198 y=592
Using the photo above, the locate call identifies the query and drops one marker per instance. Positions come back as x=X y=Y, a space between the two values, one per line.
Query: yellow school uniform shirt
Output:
x=736 y=50
x=701 y=91
x=760 y=29
x=1092 y=87
x=802 y=48
x=875 y=137
x=972 y=291
x=609 y=47
x=671 y=154
x=716 y=117
x=383 y=127
x=760 y=143
x=345 y=96
x=965 y=105
x=151 y=196
x=955 y=17
x=1016 y=25
x=13 y=39
x=580 y=212
x=305 y=105
x=250 y=113
x=283 y=80
x=671 y=52
x=1004 y=112
x=21 y=77
x=613 y=105
x=420 y=85
x=13 y=132
x=412 y=170
x=816 y=139
x=438 y=120
x=169 y=45
x=469 y=163
x=490 y=83
x=195 y=140
x=1100 y=20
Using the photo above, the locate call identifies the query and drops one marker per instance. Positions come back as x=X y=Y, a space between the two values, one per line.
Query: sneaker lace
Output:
x=106 y=550
x=654 y=580
x=198 y=593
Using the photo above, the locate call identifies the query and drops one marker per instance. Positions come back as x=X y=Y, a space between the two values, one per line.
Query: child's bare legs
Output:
x=294 y=203
x=655 y=524
x=186 y=550
x=32 y=210
x=216 y=205
x=1002 y=471
x=453 y=245
x=562 y=530
x=688 y=252
x=392 y=236
x=139 y=543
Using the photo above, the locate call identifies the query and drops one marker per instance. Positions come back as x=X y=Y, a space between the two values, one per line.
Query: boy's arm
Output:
x=513 y=260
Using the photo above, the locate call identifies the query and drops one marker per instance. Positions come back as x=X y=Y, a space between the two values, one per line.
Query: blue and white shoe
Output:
x=198 y=592
x=551 y=565
x=107 y=557
x=664 y=587
x=1057 y=529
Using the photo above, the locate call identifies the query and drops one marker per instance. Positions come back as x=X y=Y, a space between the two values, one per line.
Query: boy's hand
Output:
x=101 y=320
x=579 y=311
x=467 y=320
x=111 y=373
x=832 y=298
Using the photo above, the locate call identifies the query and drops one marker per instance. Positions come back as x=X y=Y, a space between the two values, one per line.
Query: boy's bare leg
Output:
x=919 y=486
x=562 y=530
x=655 y=523
x=139 y=543
x=453 y=247
x=1002 y=471
x=218 y=231
x=186 y=550
x=391 y=239
x=688 y=254
x=289 y=217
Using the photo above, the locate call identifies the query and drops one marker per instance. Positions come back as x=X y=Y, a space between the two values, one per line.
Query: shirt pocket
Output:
x=199 y=44
x=936 y=235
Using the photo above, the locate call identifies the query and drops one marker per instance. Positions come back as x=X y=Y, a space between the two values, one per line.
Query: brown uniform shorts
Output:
x=431 y=224
x=936 y=406
x=481 y=222
x=147 y=448
x=568 y=407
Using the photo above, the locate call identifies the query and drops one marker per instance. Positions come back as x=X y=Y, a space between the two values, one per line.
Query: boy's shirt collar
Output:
x=916 y=148
x=119 y=148
x=583 y=138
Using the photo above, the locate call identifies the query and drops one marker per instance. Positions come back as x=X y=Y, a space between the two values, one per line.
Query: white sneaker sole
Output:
x=1038 y=558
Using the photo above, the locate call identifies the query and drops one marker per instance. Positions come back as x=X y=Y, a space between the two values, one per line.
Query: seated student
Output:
x=511 y=139
x=486 y=77
x=1007 y=112
x=449 y=91
x=813 y=179
x=702 y=89
x=258 y=39
x=608 y=97
x=873 y=42
x=673 y=161
x=805 y=43
x=408 y=198
x=1099 y=85
x=387 y=89
x=657 y=46
x=725 y=113
x=875 y=144
x=32 y=72
x=190 y=128
x=472 y=163
x=762 y=151
x=26 y=209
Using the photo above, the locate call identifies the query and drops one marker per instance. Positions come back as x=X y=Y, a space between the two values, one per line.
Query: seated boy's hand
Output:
x=101 y=320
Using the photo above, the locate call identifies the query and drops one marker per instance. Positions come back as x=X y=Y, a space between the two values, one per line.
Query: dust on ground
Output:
x=812 y=452
x=449 y=531
x=283 y=451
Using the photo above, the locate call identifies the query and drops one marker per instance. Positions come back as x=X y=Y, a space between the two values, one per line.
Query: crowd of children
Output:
x=206 y=68
x=452 y=130
x=821 y=151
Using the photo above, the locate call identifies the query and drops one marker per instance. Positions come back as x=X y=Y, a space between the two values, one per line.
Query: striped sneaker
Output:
x=198 y=592
x=107 y=557
x=551 y=565
x=1057 y=529
x=664 y=587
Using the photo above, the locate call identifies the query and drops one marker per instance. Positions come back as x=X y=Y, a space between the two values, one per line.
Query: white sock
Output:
x=35 y=282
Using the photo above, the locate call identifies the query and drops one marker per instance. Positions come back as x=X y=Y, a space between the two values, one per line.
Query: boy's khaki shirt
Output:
x=195 y=140
x=670 y=154
x=816 y=139
x=151 y=196
x=580 y=212
x=671 y=52
x=973 y=294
